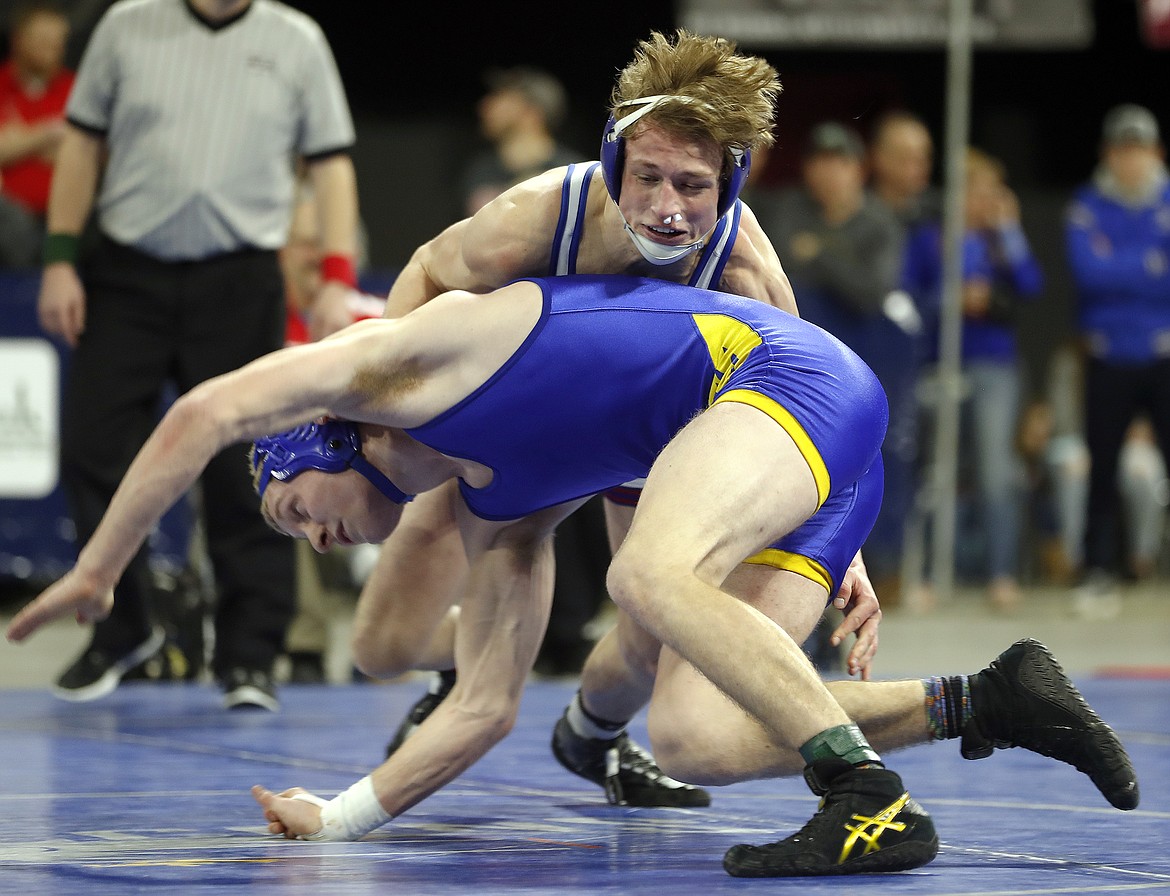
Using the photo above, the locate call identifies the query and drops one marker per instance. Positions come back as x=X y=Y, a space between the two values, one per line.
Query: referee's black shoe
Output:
x=422 y=708
x=97 y=673
x=628 y=773
x=866 y=822
x=1024 y=699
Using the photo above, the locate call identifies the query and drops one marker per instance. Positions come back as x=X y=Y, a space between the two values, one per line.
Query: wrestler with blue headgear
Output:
x=759 y=435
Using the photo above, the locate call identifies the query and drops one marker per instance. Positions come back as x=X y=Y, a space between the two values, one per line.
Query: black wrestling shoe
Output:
x=1024 y=699
x=866 y=822
x=421 y=709
x=97 y=673
x=247 y=689
x=628 y=773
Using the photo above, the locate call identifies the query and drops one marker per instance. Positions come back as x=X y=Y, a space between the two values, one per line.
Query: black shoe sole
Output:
x=752 y=861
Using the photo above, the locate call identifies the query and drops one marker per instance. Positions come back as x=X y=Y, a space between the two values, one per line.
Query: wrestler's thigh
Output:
x=729 y=484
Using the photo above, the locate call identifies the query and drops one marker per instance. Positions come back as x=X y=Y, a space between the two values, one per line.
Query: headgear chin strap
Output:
x=657 y=253
x=331 y=447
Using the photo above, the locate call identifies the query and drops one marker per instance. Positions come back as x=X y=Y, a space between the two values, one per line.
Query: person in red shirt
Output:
x=34 y=87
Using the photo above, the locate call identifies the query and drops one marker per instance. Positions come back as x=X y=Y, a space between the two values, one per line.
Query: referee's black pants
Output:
x=1114 y=395
x=150 y=323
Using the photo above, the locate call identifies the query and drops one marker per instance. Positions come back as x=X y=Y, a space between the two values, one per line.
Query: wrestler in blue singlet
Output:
x=552 y=431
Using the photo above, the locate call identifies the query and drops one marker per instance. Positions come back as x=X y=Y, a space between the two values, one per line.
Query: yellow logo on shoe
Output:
x=870 y=830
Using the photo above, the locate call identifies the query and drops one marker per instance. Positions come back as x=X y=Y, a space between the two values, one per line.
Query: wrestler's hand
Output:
x=295 y=813
x=330 y=311
x=87 y=599
x=858 y=601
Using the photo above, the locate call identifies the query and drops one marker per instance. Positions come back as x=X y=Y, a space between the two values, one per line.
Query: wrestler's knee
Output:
x=639 y=580
x=684 y=749
x=382 y=657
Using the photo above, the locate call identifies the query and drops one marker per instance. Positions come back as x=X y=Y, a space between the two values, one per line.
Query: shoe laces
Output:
x=626 y=756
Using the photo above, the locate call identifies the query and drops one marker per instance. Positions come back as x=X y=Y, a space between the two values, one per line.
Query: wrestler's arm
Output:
x=509 y=237
x=501 y=624
x=271 y=394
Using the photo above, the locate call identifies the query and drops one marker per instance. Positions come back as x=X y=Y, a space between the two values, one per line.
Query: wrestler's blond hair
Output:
x=729 y=97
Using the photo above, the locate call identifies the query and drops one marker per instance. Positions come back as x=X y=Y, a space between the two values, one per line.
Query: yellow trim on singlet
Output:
x=790 y=425
x=802 y=566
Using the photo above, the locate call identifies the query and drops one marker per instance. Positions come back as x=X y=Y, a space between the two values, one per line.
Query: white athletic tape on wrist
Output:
x=350 y=815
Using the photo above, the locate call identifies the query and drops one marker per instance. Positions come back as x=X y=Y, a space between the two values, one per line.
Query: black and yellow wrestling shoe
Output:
x=1024 y=699
x=629 y=774
x=866 y=822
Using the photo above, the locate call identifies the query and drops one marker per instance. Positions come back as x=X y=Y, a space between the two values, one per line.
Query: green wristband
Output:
x=60 y=247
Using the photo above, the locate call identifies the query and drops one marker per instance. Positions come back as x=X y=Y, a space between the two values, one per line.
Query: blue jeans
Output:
x=987 y=447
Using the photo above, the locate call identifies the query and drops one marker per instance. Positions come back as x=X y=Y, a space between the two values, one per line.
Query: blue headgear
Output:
x=613 y=153
x=331 y=447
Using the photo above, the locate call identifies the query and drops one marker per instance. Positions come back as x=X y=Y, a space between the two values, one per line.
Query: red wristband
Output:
x=339 y=268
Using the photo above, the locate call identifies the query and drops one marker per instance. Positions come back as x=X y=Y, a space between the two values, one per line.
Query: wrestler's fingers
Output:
x=855 y=619
x=31 y=617
x=861 y=657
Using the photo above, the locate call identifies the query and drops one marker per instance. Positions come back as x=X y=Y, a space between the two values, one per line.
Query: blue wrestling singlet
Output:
x=616 y=366
x=566 y=246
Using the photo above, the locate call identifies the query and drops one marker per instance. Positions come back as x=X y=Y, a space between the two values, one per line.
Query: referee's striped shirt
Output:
x=203 y=121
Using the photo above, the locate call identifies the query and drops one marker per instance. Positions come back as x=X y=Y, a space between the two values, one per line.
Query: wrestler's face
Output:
x=330 y=508
x=670 y=186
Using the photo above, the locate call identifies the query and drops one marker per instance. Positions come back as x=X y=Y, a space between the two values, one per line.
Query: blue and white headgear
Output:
x=613 y=160
x=331 y=447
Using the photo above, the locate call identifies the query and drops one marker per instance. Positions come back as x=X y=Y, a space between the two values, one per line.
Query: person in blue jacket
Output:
x=1118 y=243
x=999 y=271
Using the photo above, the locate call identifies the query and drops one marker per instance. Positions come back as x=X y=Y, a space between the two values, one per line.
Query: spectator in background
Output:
x=842 y=250
x=519 y=116
x=1053 y=440
x=183 y=284
x=1118 y=244
x=34 y=86
x=901 y=156
x=998 y=272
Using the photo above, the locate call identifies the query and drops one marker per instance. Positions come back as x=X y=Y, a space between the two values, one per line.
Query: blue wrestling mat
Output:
x=148 y=789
